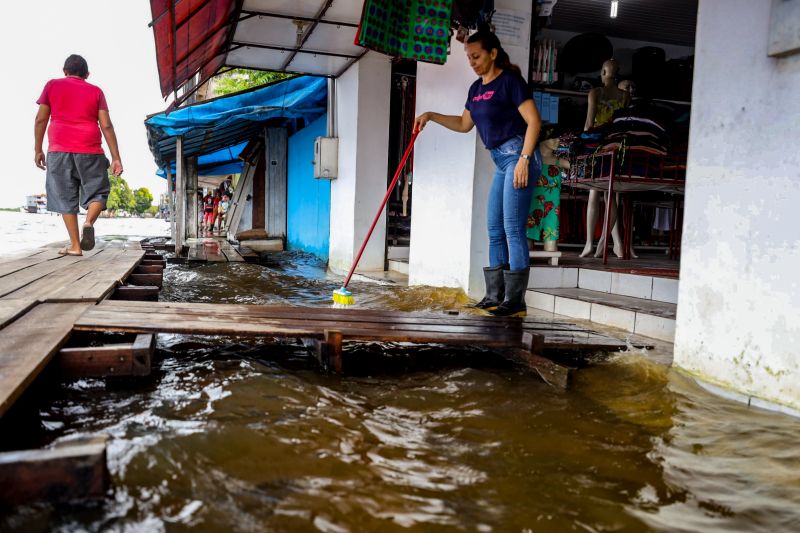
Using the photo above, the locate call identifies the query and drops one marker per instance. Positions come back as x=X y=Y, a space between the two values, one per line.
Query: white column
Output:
x=362 y=114
x=738 y=323
x=453 y=171
x=180 y=196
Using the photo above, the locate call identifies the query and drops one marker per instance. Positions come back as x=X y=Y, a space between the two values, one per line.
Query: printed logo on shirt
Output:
x=485 y=96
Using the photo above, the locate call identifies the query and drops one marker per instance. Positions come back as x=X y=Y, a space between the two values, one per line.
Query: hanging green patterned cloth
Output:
x=413 y=29
x=545 y=205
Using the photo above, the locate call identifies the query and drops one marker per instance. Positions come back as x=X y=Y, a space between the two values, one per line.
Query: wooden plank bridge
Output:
x=46 y=298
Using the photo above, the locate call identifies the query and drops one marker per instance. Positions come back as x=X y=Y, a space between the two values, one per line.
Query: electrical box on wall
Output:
x=326 y=157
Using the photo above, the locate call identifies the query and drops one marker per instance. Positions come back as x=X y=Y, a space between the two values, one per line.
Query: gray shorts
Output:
x=74 y=178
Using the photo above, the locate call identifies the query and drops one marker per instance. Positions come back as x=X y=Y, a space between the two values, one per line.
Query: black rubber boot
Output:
x=516 y=283
x=495 y=288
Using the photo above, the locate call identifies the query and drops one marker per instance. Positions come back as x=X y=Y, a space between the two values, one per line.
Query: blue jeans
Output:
x=508 y=207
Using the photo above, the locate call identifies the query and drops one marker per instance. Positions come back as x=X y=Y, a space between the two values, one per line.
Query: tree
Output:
x=240 y=79
x=143 y=199
x=120 y=196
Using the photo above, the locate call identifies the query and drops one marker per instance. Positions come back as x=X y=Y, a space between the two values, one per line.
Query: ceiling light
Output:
x=614 y=8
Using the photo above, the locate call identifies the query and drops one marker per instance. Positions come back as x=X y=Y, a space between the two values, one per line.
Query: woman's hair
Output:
x=490 y=41
x=75 y=65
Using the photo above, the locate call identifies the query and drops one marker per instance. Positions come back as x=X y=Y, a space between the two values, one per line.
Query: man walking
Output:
x=77 y=168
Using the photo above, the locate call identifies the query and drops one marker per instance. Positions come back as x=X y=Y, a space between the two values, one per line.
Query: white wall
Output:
x=362 y=115
x=452 y=175
x=738 y=321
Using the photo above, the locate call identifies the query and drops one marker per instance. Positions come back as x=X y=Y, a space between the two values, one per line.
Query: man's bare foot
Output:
x=70 y=251
x=587 y=250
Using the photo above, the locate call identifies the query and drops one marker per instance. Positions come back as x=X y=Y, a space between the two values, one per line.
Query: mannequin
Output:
x=547 y=198
x=603 y=101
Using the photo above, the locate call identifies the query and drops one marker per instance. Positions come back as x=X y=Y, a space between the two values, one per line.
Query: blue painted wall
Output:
x=308 y=199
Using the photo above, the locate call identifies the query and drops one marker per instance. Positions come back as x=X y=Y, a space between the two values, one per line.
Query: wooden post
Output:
x=191 y=198
x=531 y=354
x=276 y=182
x=259 y=190
x=333 y=342
x=180 y=197
x=69 y=471
x=170 y=200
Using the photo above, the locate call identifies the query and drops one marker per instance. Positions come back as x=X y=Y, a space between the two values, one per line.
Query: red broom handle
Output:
x=383 y=204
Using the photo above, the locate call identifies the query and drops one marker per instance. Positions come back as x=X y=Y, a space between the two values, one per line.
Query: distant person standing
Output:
x=77 y=168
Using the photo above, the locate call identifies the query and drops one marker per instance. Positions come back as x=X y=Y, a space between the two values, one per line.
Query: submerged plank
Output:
x=69 y=471
x=29 y=343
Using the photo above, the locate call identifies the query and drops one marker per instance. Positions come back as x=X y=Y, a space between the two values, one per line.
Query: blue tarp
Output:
x=225 y=161
x=210 y=127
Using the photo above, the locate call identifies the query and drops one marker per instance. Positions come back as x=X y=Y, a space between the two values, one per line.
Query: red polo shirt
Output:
x=74 y=107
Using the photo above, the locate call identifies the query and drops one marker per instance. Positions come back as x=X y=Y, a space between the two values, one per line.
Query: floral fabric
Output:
x=545 y=205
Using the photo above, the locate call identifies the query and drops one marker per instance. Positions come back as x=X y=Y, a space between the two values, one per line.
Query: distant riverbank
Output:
x=23 y=231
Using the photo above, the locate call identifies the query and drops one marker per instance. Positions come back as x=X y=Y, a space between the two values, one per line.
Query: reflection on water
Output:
x=232 y=434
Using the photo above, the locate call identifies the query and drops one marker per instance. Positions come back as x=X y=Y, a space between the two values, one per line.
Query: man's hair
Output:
x=75 y=65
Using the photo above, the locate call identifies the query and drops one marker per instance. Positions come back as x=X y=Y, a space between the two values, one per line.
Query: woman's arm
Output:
x=531 y=116
x=461 y=124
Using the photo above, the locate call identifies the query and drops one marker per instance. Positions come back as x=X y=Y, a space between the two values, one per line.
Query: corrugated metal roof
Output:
x=658 y=21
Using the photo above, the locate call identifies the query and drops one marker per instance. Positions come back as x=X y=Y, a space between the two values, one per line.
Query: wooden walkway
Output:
x=353 y=324
x=41 y=295
x=45 y=297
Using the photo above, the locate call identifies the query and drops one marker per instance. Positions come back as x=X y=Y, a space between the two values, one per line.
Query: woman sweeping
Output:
x=499 y=104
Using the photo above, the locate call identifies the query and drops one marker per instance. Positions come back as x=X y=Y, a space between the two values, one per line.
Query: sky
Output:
x=36 y=37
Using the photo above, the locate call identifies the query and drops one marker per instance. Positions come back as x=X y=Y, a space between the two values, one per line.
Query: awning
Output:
x=214 y=125
x=301 y=36
x=192 y=36
x=296 y=36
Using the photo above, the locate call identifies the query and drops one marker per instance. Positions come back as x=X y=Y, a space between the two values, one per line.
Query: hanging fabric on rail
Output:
x=412 y=29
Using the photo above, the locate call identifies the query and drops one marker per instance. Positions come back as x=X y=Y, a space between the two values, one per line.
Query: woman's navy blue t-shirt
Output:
x=494 y=107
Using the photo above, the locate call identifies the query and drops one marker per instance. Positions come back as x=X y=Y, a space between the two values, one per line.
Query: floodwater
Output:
x=235 y=435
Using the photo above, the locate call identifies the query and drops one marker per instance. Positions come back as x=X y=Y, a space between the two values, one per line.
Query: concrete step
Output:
x=641 y=286
x=399 y=265
x=644 y=317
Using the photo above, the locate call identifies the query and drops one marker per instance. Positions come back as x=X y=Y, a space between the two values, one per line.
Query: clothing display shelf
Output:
x=634 y=174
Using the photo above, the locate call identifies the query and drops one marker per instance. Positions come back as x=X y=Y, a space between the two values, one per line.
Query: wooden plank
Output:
x=145 y=279
x=17 y=264
x=363 y=315
x=230 y=253
x=29 y=343
x=197 y=252
x=100 y=282
x=247 y=254
x=239 y=201
x=148 y=269
x=11 y=309
x=141 y=293
x=41 y=288
x=308 y=318
x=69 y=471
x=275 y=182
x=21 y=278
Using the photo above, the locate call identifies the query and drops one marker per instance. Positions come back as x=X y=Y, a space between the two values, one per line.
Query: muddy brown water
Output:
x=233 y=435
